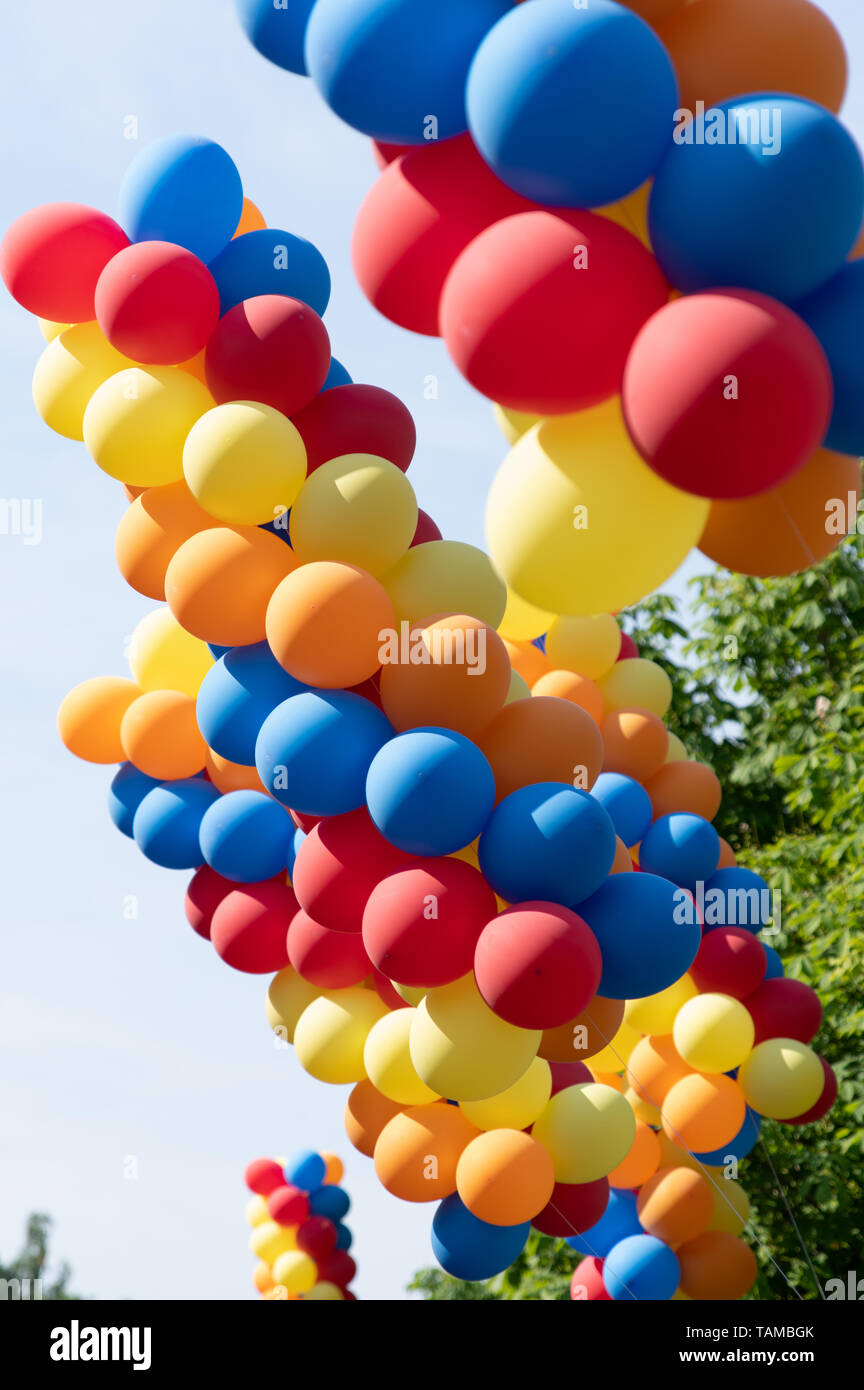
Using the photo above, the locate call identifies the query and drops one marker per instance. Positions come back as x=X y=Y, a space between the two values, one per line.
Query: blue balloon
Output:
x=648 y=934
x=236 y=696
x=183 y=189
x=719 y=214
x=280 y=526
x=537 y=87
x=127 y=791
x=430 y=791
x=736 y=897
x=344 y=1238
x=247 y=836
x=641 y=1268
x=330 y=1201
x=549 y=842
x=627 y=804
x=774 y=969
x=168 y=820
x=306 y=1170
x=297 y=841
x=337 y=376
x=835 y=312
x=277 y=31
x=270 y=261
x=468 y=1248
x=539 y=642
x=737 y=1147
x=680 y=847
x=618 y=1221
x=216 y=651
x=315 y=749
x=390 y=69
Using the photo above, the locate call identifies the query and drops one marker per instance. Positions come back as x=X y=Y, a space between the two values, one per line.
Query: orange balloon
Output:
x=642 y=1160
x=251 y=219
x=653 y=10
x=326 y=624
x=151 y=530
x=505 y=1177
x=685 y=786
x=366 y=1114
x=130 y=491
x=623 y=861
x=584 y=1036
x=418 y=1151
x=527 y=660
x=608 y=1078
x=232 y=777
x=452 y=671
x=195 y=366
x=335 y=1167
x=728 y=859
x=653 y=1067
x=262 y=1278
x=542 y=740
x=90 y=716
x=721 y=48
x=675 y=1204
x=701 y=1113
x=635 y=742
x=161 y=736
x=787 y=528
x=716 y=1265
x=569 y=685
x=220 y=581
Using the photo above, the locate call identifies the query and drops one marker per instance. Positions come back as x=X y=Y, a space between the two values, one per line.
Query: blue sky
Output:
x=124 y=1036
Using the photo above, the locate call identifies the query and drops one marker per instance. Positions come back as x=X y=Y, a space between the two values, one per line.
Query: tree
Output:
x=31 y=1264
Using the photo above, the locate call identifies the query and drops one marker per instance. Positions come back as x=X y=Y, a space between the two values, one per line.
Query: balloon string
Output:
x=801 y=1241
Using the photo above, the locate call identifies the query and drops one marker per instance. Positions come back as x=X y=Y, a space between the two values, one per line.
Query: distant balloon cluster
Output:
x=298 y=1233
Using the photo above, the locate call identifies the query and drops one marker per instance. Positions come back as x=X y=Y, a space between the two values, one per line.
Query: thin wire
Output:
x=801 y=1242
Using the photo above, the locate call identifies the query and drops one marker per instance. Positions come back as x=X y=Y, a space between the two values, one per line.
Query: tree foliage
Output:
x=32 y=1261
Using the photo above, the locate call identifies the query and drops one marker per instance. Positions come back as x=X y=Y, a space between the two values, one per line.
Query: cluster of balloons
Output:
x=298 y=1232
x=670 y=366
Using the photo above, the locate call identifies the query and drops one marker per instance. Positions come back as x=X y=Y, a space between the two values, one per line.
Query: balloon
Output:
x=246 y=836
x=618 y=1221
x=640 y=1163
x=331 y=1033
x=269 y=1240
x=544 y=739
x=204 y=894
x=833 y=312
x=136 y=423
x=655 y=1014
x=505 y=1177
x=388 y=1061
x=613 y=1057
x=358 y=509
x=383 y=70
x=626 y=803
x=527 y=661
x=327 y=624
x=249 y=925
x=219 y=582
x=537 y=965
x=89 y=719
x=511 y=282
x=277 y=31
x=733 y=961
x=622 y=863
x=566 y=1074
x=823 y=1104
x=636 y=682
x=244 y=462
x=163 y=656
x=327 y=959
x=547 y=842
x=559 y=474
x=160 y=735
x=52 y=256
x=263 y=1175
x=731 y=1207
x=468 y=1248
x=653 y=1067
x=704 y=192
x=262 y=1278
x=151 y=530
x=167 y=822
x=737 y=1147
x=366 y=1114
x=641 y=1267
x=446 y=577
x=295 y=1271
x=737 y=897
x=585 y=1035
x=715 y=1266
x=183 y=189
x=675 y=1205
x=356 y=419
x=417 y=1152
x=588 y=1130
x=587 y=1282
x=536 y=85
x=568 y=685
x=702 y=1113
x=156 y=303
x=251 y=219
x=646 y=946
x=517 y=1106
x=426 y=529
x=781 y=1078
x=422 y=922
x=330 y=1201
x=127 y=791
x=682 y=848
x=685 y=786
x=338 y=865
x=636 y=744
x=315 y=750
x=337 y=1270
x=785 y=1009
x=453 y=671
x=235 y=697
x=70 y=369
x=429 y=791
x=589 y=645
x=572 y=1207
x=271 y=262
x=287 y=1205
x=462 y=1049
x=287 y=997
x=269 y=348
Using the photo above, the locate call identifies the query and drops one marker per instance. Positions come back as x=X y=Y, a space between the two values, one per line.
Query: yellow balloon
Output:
x=49 y=329
x=462 y=1049
x=576 y=522
x=637 y=684
x=631 y=213
x=446 y=577
x=656 y=1013
x=614 y=1055
x=296 y=1271
x=518 y=690
x=412 y=994
x=731 y=1207
x=781 y=1078
x=643 y=1109
x=714 y=1033
x=269 y=1240
x=257 y=1210
x=325 y=1292
x=331 y=1033
x=388 y=1061
x=357 y=508
x=244 y=462
x=164 y=656
x=73 y=364
x=588 y=645
x=588 y=1130
x=137 y=421
x=513 y=423
x=676 y=752
x=522 y=622
x=288 y=994
x=518 y=1106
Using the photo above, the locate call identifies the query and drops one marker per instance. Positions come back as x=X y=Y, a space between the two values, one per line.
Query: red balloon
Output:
x=427 y=529
x=385 y=152
x=566 y=1074
x=250 y=927
x=52 y=256
x=540 y=311
x=629 y=651
x=338 y=1268
x=731 y=960
x=782 y=1008
x=537 y=965
x=422 y=923
x=338 y=865
x=357 y=420
x=263 y=1175
x=317 y=1237
x=587 y=1282
x=416 y=219
x=270 y=348
x=726 y=393
x=204 y=894
x=288 y=1205
x=328 y=959
x=157 y=303
x=820 y=1108
x=385 y=991
x=573 y=1208
x=302 y=821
